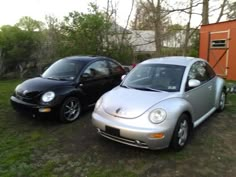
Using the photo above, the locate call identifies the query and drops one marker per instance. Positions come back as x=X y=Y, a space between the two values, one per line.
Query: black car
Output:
x=68 y=86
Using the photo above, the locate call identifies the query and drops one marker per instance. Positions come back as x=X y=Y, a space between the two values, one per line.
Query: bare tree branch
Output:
x=221 y=11
x=127 y=23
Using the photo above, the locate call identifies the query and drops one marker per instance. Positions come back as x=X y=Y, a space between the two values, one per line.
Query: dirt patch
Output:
x=77 y=150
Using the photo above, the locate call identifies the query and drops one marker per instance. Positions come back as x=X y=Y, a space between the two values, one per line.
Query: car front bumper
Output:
x=29 y=108
x=127 y=133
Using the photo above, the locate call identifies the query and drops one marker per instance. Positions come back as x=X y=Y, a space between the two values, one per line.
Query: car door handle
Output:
x=210 y=87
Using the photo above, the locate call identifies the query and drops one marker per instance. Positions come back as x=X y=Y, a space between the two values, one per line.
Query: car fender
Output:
x=67 y=91
x=220 y=86
x=174 y=108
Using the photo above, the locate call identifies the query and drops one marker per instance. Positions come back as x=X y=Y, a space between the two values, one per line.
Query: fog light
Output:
x=157 y=135
x=45 y=110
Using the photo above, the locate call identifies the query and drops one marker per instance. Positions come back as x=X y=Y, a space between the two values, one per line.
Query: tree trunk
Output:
x=205 y=12
x=186 y=40
x=158 y=28
x=127 y=23
x=221 y=11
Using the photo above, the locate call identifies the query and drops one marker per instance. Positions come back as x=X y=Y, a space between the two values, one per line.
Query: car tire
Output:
x=222 y=102
x=70 y=110
x=181 y=133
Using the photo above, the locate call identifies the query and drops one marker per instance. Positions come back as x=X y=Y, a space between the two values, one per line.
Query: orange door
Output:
x=218 y=51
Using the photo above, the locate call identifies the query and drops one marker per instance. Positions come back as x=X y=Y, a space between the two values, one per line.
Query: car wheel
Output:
x=181 y=133
x=70 y=109
x=222 y=102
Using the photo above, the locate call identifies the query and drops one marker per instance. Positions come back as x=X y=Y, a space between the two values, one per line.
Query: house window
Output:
x=218 y=43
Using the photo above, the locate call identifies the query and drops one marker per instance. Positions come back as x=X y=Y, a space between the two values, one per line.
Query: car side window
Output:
x=97 y=69
x=211 y=73
x=199 y=71
x=115 y=68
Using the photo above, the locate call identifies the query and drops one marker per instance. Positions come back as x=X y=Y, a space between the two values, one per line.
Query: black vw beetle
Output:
x=68 y=86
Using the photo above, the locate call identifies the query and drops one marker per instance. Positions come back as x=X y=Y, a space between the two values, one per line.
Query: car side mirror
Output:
x=85 y=76
x=122 y=77
x=193 y=83
x=126 y=69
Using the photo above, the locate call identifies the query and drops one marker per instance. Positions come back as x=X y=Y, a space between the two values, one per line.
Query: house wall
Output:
x=229 y=62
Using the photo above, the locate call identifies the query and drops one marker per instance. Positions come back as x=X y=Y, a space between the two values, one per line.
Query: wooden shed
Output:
x=218 y=47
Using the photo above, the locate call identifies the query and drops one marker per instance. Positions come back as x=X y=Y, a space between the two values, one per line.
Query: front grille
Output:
x=120 y=139
x=29 y=97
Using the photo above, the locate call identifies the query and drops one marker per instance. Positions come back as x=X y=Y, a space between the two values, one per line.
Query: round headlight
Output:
x=17 y=87
x=157 y=116
x=48 y=96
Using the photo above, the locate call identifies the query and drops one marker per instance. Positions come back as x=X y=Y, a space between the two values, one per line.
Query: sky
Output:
x=12 y=10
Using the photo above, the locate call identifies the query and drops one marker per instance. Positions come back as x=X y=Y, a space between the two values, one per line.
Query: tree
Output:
x=51 y=41
x=222 y=8
x=28 y=24
x=150 y=15
x=205 y=12
x=84 y=33
x=19 y=47
x=93 y=34
x=232 y=11
x=188 y=27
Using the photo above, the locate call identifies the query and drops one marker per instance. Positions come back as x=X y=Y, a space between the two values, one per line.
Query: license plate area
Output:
x=112 y=131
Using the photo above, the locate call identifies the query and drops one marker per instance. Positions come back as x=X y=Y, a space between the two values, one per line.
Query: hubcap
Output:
x=183 y=132
x=72 y=110
x=222 y=101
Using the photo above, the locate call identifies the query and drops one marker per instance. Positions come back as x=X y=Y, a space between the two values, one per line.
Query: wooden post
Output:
x=209 y=46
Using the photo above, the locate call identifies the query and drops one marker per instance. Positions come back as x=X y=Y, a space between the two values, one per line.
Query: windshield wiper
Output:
x=147 y=89
x=125 y=86
x=56 y=78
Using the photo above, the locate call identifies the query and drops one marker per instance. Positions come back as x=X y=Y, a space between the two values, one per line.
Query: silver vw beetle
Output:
x=159 y=102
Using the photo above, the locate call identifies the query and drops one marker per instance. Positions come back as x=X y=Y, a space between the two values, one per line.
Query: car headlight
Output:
x=98 y=103
x=157 y=116
x=17 y=87
x=48 y=96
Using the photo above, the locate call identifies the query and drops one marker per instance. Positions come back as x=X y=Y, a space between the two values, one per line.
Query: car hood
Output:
x=131 y=103
x=35 y=86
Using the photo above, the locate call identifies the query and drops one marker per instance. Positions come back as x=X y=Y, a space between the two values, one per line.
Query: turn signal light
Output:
x=157 y=135
x=45 y=110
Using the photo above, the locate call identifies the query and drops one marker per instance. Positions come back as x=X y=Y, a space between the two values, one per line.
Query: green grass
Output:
x=38 y=148
x=6 y=89
x=18 y=144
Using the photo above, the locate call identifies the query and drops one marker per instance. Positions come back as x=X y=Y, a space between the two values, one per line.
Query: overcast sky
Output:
x=12 y=10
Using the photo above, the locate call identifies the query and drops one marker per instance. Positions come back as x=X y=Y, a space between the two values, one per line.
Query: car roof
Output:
x=174 y=60
x=85 y=59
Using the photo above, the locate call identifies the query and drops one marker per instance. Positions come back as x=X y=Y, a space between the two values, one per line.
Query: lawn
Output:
x=44 y=147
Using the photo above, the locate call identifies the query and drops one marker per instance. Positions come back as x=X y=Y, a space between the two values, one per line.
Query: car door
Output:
x=93 y=80
x=202 y=97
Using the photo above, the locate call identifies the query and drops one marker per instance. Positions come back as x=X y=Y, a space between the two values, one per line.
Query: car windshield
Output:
x=155 y=77
x=63 y=70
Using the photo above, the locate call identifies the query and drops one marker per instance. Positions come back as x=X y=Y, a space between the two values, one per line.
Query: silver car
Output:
x=159 y=102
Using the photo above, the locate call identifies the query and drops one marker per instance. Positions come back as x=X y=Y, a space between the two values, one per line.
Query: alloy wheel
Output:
x=183 y=132
x=222 y=101
x=71 y=109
